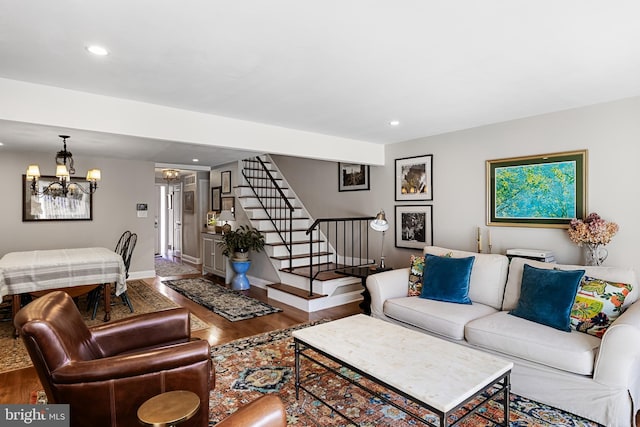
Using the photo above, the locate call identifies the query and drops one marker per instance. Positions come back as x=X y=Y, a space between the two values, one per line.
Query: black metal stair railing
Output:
x=272 y=199
x=347 y=241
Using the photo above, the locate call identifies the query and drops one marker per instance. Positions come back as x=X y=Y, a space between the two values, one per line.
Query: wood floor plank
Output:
x=17 y=385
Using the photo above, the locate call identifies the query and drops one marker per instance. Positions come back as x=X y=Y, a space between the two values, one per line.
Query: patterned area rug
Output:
x=247 y=368
x=166 y=268
x=144 y=299
x=229 y=304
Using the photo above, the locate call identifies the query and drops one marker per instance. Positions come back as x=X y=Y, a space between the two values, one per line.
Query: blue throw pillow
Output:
x=546 y=296
x=447 y=279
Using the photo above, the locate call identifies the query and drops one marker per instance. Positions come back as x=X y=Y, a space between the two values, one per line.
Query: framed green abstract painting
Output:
x=545 y=190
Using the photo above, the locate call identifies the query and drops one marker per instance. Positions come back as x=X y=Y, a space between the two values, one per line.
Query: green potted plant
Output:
x=240 y=241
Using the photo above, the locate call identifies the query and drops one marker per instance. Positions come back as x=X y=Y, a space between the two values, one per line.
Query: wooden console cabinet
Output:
x=212 y=259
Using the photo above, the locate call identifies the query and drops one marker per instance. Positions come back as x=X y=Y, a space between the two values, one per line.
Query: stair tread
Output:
x=280 y=219
x=248 y=208
x=253 y=196
x=295 y=242
x=286 y=231
x=295 y=291
x=324 y=275
x=315 y=254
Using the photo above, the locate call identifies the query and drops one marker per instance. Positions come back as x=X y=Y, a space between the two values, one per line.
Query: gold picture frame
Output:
x=544 y=190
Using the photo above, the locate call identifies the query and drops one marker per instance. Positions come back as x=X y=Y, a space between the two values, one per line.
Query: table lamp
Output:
x=380 y=224
x=225 y=217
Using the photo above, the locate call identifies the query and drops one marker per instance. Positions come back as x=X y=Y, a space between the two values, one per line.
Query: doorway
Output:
x=168 y=220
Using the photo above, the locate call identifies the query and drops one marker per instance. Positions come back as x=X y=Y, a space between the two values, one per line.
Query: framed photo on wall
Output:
x=229 y=204
x=76 y=206
x=414 y=226
x=215 y=199
x=546 y=190
x=188 y=201
x=353 y=177
x=414 y=178
x=225 y=179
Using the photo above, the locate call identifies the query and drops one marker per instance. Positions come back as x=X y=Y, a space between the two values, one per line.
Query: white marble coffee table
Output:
x=433 y=373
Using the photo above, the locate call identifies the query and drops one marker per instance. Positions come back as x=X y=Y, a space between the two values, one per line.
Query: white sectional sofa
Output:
x=596 y=378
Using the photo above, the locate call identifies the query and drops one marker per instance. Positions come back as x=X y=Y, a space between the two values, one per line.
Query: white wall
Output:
x=64 y=108
x=124 y=183
x=610 y=132
x=261 y=266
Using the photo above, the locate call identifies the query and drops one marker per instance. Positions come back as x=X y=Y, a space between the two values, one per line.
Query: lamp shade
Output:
x=226 y=216
x=62 y=172
x=33 y=171
x=380 y=222
x=93 y=175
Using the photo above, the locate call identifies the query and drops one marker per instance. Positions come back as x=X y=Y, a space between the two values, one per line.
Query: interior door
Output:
x=157 y=219
x=177 y=220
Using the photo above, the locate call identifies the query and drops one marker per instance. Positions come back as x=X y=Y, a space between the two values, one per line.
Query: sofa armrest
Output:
x=386 y=285
x=195 y=354
x=266 y=411
x=143 y=331
x=619 y=351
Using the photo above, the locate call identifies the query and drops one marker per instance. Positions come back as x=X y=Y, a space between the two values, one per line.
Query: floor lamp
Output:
x=380 y=224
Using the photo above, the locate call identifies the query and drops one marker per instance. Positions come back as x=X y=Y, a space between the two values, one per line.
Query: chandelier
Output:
x=64 y=168
x=170 y=174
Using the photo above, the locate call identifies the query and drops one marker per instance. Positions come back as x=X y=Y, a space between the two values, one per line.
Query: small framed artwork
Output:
x=414 y=226
x=229 y=204
x=51 y=205
x=546 y=190
x=225 y=179
x=353 y=177
x=188 y=201
x=215 y=199
x=414 y=178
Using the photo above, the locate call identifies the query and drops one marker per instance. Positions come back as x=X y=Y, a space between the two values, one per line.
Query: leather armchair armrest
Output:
x=266 y=411
x=143 y=331
x=134 y=364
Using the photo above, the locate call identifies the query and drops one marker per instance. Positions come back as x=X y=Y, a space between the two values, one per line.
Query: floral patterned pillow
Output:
x=598 y=303
x=416 y=269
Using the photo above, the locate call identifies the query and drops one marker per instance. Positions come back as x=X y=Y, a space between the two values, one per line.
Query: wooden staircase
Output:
x=294 y=267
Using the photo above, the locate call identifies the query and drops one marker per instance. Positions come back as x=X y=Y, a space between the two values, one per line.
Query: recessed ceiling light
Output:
x=97 y=50
x=394 y=123
x=1 y=144
x=195 y=160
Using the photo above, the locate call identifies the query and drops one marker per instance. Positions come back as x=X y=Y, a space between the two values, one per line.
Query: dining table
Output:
x=75 y=271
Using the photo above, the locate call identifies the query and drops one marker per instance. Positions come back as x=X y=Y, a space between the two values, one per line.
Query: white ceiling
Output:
x=336 y=67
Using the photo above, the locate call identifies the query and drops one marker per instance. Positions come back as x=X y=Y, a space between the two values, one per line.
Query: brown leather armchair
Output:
x=106 y=372
x=266 y=411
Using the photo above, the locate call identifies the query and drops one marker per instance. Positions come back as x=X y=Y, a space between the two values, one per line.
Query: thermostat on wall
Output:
x=141 y=208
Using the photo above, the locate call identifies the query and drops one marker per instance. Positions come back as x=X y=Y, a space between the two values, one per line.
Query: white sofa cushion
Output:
x=614 y=274
x=488 y=275
x=441 y=318
x=570 y=351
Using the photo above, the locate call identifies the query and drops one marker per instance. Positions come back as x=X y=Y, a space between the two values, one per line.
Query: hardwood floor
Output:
x=17 y=385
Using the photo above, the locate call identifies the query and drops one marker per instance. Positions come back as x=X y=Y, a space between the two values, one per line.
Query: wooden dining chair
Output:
x=125 y=246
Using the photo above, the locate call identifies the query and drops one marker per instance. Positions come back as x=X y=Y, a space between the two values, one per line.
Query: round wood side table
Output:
x=169 y=409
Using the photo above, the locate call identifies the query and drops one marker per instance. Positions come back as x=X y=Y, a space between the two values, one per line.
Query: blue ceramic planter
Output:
x=240 y=281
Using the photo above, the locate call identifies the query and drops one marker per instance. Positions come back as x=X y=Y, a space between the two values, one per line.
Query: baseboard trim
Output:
x=191 y=259
x=258 y=282
x=137 y=275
